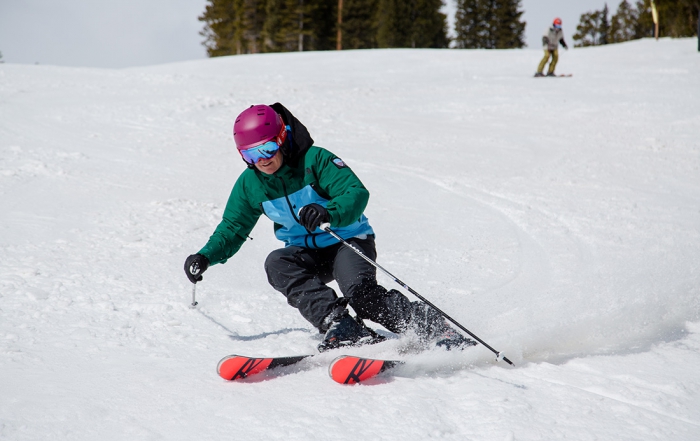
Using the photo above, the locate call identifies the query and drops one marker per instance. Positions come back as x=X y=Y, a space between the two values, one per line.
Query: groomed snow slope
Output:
x=558 y=219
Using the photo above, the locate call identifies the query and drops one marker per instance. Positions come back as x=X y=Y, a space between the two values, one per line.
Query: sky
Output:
x=126 y=33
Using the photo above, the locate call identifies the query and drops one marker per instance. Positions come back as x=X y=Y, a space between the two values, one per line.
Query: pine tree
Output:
x=628 y=23
x=272 y=38
x=489 y=24
x=645 y=23
x=411 y=23
x=604 y=29
x=393 y=23
x=251 y=26
x=429 y=25
x=223 y=29
x=469 y=18
x=623 y=25
x=284 y=25
x=253 y=12
x=677 y=18
x=359 y=24
x=301 y=25
x=510 y=29
x=323 y=17
x=302 y=20
x=588 y=29
x=593 y=28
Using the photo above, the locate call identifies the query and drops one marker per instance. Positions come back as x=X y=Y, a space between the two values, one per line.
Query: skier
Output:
x=300 y=186
x=550 y=40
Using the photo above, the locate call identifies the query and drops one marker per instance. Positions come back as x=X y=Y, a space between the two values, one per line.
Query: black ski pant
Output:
x=301 y=274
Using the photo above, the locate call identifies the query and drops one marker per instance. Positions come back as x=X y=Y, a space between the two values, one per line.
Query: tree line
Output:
x=234 y=27
x=676 y=18
x=489 y=24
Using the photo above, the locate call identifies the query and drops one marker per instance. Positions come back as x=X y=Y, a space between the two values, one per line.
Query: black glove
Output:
x=312 y=215
x=195 y=265
x=565 y=46
x=545 y=40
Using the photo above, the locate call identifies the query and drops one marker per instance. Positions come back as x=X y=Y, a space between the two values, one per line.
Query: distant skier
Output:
x=550 y=42
x=300 y=186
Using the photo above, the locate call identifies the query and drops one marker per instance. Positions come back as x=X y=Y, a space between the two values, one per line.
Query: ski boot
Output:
x=432 y=328
x=551 y=74
x=451 y=339
x=538 y=74
x=344 y=330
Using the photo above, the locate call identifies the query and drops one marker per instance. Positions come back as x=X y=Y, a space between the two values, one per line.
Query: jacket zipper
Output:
x=294 y=215
x=289 y=203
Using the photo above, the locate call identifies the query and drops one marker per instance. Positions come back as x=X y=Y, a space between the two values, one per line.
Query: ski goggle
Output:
x=557 y=26
x=265 y=150
x=262 y=151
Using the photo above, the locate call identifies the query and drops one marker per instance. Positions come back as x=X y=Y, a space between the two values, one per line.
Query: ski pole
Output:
x=194 y=270
x=327 y=228
x=194 y=302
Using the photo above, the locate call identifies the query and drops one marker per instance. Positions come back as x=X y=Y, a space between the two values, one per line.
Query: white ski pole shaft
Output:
x=194 y=302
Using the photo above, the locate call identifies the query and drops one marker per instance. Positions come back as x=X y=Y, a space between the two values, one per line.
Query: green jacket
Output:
x=315 y=176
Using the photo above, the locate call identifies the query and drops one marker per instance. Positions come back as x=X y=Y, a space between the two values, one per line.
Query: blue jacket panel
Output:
x=284 y=212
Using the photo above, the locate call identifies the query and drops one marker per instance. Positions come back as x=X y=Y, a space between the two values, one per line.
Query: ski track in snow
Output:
x=557 y=221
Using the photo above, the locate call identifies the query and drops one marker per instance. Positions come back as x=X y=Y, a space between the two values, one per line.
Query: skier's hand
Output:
x=195 y=265
x=312 y=215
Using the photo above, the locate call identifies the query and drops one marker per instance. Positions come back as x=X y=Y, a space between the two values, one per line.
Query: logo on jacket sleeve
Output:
x=339 y=163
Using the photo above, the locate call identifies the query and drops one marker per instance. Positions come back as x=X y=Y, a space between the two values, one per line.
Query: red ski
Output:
x=237 y=367
x=348 y=369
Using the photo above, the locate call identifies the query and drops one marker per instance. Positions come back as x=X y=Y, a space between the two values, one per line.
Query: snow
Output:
x=557 y=219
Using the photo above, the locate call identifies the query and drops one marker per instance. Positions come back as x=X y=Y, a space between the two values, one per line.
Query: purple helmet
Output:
x=256 y=125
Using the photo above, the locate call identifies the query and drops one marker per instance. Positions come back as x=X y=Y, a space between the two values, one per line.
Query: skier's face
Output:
x=270 y=166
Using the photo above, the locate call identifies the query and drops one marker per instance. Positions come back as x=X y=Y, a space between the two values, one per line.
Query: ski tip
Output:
x=225 y=368
x=348 y=369
x=236 y=367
